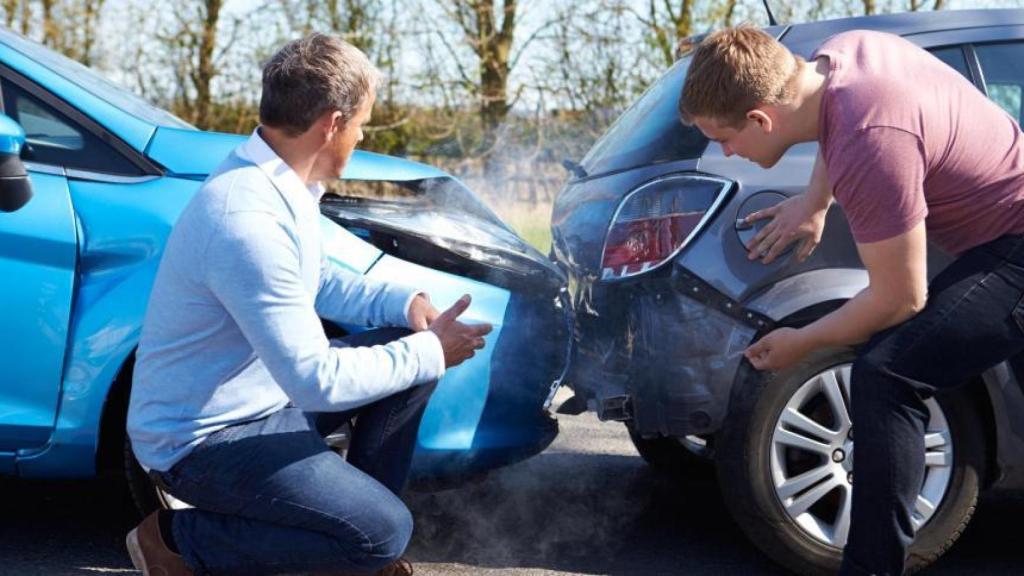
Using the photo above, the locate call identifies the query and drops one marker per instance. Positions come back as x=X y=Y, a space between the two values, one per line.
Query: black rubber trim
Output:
x=697 y=289
x=974 y=65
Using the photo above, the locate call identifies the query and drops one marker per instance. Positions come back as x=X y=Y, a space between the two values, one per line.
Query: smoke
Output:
x=548 y=512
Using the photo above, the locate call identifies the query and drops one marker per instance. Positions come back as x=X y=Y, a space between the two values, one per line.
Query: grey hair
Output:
x=311 y=76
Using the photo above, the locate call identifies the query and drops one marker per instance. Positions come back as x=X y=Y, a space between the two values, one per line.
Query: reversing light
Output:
x=657 y=220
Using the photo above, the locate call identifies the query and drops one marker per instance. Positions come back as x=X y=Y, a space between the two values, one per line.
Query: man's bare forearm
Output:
x=819 y=191
x=857 y=320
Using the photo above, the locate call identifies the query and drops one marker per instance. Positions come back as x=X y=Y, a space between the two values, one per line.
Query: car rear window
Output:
x=1003 y=68
x=953 y=56
x=649 y=131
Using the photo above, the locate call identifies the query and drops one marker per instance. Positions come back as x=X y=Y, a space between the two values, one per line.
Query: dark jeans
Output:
x=973 y=320
x=270 y=497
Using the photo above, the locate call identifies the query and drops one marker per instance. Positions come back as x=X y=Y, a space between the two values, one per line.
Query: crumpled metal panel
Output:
x=685 y=357
x=647 y=352
x=602 y=349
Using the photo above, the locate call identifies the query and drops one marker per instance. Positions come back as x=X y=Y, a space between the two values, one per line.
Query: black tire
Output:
x=669 y=457
x=142 y=489
x=743 y=464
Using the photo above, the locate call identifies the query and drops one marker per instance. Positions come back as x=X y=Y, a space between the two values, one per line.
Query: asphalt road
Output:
x=588 y=505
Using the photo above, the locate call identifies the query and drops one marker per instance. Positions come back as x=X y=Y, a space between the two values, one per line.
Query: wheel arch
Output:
x=112 y=432
x=792 y=296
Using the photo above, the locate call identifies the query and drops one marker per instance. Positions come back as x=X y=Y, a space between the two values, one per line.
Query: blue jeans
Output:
x=973 y=320
x=270 y=497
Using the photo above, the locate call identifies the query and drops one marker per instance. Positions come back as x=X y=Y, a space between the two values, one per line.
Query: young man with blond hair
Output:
x=236 y=385
x=912 y=152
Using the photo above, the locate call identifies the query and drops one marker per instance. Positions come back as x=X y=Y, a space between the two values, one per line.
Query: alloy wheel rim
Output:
x=812 y=458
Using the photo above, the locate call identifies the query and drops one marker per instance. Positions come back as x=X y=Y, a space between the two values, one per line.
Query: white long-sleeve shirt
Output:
x=232 y=331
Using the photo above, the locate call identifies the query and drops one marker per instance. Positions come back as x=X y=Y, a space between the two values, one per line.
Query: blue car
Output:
x=109 y=175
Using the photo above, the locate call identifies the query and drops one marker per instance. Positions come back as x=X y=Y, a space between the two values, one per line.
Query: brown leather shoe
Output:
x=150 y=554
x=400 y=567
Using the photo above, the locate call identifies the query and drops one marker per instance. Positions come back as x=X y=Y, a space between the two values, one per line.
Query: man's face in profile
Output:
x=333 y=158
x=755 y=139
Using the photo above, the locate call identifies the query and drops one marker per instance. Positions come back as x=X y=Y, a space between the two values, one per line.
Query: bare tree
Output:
x=490 y=36
x=357 y=21
x=26 y=16
x=194 y=53
x=668 y=22
x=91 y=10
x=593 y=66
x=51 y=34
x=67 y=26
x=73 y=26
x=667 y=25
x=10 y=11
x=202 y=75
x=20 y=12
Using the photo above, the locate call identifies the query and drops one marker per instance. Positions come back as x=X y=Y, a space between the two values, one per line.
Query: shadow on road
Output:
x=564 y=512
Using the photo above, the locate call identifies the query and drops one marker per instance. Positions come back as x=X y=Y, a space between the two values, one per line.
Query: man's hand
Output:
x=798 y=218
x=793 y=219
x=778 y=349
x=421 y=313
x=459 y=341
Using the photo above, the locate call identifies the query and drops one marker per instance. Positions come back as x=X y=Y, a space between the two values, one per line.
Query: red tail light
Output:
x=656 y=221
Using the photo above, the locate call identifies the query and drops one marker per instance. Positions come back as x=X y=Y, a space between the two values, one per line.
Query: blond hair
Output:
x=735 y=70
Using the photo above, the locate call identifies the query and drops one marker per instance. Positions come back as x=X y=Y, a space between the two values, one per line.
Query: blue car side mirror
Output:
x=15 y=187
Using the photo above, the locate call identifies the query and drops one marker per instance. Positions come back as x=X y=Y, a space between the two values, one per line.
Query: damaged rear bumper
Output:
x=660 y=353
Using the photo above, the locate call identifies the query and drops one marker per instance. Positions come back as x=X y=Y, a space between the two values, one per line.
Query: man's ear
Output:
x=762 y=119
x=330 y=122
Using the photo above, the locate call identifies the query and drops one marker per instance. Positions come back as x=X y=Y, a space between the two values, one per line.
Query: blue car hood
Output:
x=196 y=153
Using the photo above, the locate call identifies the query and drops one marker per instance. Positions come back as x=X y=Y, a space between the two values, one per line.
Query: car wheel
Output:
x=146 y=495
x=675 y=457
x=785 y=463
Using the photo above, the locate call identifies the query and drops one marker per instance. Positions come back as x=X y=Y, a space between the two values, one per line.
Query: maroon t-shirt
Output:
x=907 y=138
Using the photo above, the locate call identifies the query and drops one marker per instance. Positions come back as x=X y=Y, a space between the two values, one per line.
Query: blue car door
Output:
x=40 y=255
x=38 y=247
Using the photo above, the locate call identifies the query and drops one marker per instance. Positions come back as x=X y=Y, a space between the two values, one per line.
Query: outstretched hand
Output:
x=459 y=341
x=778 y=349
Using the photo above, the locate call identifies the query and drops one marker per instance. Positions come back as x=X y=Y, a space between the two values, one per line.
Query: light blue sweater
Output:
x=232 y=330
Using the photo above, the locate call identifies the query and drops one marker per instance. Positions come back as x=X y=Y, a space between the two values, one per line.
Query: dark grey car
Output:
x=651 y=234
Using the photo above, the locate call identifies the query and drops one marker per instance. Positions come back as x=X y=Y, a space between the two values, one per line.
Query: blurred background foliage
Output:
x=498 y=92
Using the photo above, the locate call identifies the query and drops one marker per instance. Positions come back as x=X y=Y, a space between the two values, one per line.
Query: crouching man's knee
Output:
x=386 y=540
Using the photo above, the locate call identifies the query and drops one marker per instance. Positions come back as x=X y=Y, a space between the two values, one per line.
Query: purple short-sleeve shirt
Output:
x=906 y=138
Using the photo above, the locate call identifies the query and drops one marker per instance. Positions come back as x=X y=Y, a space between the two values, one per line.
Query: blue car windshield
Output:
x=89 y=80
x=649 y=131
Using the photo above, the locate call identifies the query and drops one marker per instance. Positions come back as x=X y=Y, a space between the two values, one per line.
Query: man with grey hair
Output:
x=235 y=382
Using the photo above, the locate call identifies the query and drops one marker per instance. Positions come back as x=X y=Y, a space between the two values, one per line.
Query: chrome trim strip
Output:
x=75 y=174
x=44 y=168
